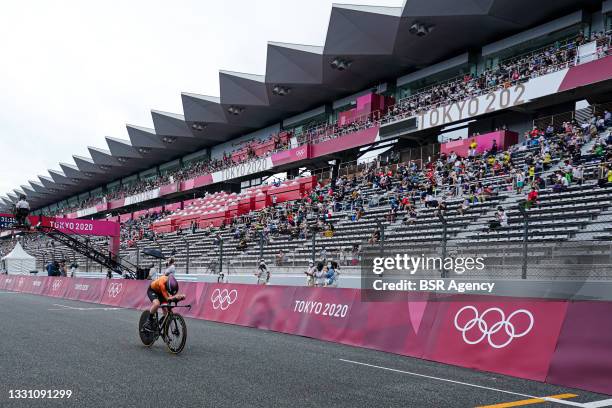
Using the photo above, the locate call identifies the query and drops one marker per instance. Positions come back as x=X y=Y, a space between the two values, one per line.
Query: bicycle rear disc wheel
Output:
x=175 y=333
x=147 y=338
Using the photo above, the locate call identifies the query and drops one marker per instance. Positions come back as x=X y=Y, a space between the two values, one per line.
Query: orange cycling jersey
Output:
x=159 y=286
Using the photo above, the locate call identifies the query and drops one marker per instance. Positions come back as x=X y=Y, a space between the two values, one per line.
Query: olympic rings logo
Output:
x=56 y=285
x=478 y=321
x=114 y=289
x=300 y=153
x=222 y=299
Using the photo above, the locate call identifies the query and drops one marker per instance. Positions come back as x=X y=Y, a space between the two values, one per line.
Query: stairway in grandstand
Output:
x=89 y=250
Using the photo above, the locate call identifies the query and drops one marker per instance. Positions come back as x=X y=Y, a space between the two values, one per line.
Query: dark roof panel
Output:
x=375 y=44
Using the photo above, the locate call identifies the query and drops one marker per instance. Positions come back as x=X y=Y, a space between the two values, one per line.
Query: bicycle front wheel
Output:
x=175 y=333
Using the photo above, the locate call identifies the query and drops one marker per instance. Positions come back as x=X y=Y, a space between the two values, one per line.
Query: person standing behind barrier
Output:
x=51 y=268
x=62 y=268
x=320 y=274
x=263 y=274
x=171 y=268
x=73 y=268
x=331 y=277
x=310 y=274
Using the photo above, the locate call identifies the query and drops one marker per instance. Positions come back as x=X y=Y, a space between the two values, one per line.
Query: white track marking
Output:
x=66 y=307
x=598 y=404
x=575 y=404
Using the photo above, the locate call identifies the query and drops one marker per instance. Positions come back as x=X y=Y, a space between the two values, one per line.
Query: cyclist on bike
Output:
x=162 y=290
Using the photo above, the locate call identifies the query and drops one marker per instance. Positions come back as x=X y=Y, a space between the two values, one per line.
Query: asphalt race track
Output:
x=49 y=343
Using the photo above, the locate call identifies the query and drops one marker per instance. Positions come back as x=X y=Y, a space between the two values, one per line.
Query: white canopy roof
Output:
x=18 y=253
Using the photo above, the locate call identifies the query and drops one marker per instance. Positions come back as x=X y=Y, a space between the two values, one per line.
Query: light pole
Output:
x=523 y=211
x=444 y=243
x=160 y=258
x=187 y=245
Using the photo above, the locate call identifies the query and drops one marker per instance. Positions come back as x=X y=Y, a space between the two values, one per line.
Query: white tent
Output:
x=18 y=261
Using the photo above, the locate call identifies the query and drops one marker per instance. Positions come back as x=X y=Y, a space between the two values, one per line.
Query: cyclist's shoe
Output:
x=149 y=326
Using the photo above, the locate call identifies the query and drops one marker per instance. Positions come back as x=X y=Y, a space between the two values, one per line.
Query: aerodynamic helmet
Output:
x=172 y=285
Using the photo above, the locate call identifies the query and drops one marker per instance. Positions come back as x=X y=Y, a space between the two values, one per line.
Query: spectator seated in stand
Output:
x=500 y=220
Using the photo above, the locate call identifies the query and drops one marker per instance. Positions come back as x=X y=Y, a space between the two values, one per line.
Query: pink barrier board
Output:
x=91 y=290
x=321 y=314
x=508 y=336
x=134 y=294
x=268 y=308
x=193 y=296
x=560 y=342
x=24 y=284
x=583 y=357
x=35 y=286
x=402 y=325
x=222 y=303
x=55 y=287
x=114 y=289
x=2 y=281
x=21 y=282
x=75 y=286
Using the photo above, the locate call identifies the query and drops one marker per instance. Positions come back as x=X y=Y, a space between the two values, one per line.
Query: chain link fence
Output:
x=575 y=248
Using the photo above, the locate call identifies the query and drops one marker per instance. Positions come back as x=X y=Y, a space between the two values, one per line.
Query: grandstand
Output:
x=261 y=233
x=360 y=142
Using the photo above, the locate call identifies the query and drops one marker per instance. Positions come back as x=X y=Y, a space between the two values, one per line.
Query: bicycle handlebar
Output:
x=170 y=306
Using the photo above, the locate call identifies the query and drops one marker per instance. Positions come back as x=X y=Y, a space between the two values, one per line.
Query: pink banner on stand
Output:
x=269 y=308
x=199 y=181
x=113 y=205
x=588 y=73
x=113 y=292
x=322 y=313
x=173 y=206
x=83 y=227
x=168 y=189
x=356 y=139
x=138 y=214
x=55 y=286
x=508 y=336
x=222 y=302
x=400 y=325
x=135 y=294
x=583 y=358
x=204 y=180
x=291 y=155
x=503 y=139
